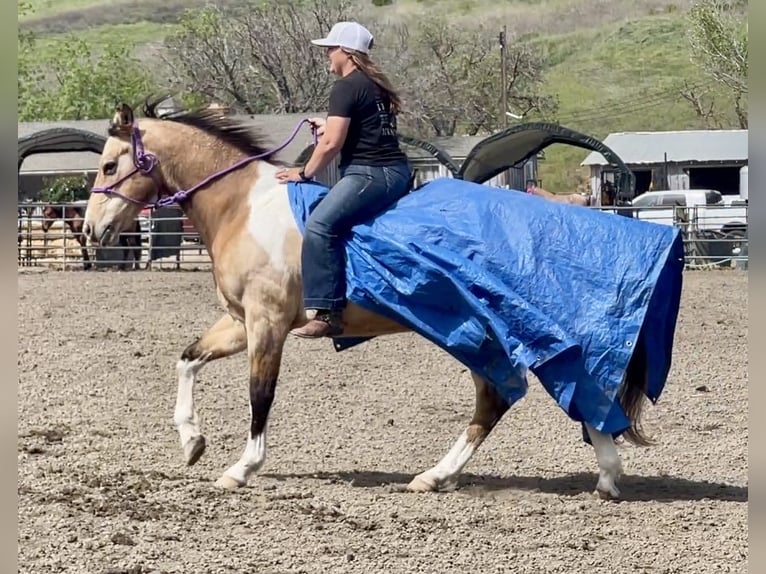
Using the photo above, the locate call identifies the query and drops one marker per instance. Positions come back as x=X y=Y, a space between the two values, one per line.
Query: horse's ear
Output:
x=126 y=115
x=122 y=121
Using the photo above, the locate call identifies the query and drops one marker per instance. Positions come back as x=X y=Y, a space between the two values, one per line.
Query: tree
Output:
x=210 y=64
x=718 y=39
x=704 y=103
x=29 y=75
x=450 y=75
x=76 y=83
x=257 y=58
x=65 y=189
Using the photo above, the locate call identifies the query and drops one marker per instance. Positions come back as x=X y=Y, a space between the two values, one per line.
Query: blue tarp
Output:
x=508 y=282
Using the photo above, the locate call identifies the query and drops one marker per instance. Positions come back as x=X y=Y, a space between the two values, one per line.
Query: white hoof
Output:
x=425 y=483
x=228 y=483
x=422 y=484
x=194 y=448
x=607 y=490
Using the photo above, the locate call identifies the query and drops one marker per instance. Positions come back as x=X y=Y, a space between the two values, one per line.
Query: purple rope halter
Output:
x=145 y=162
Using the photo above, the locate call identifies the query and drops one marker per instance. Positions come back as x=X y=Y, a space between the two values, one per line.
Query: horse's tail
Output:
x=633 y=393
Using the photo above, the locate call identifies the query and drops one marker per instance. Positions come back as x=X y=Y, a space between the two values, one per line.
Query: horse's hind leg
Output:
x=609 y=464
x=225 y=338
x=632 y=400
x=490 y=407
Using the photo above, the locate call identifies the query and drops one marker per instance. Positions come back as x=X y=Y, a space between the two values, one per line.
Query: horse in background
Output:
x=74 y=217
x=570 y=198
x=130 y=240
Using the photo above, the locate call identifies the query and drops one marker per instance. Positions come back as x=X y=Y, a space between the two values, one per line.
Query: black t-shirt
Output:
x=371 y=138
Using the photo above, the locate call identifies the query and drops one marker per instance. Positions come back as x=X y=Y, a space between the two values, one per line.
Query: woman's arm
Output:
x=328 y=146
x=333 y=133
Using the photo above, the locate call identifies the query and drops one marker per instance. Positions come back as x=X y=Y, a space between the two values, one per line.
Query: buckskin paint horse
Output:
x=73 y=217
x=245 y=221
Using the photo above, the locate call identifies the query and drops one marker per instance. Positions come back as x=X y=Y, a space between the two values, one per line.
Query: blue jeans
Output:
x=361 y=193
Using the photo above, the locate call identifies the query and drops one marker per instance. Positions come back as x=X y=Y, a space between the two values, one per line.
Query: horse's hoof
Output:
x=194 y=448
x=228 y=483
x=611 y=493
x=421 y=484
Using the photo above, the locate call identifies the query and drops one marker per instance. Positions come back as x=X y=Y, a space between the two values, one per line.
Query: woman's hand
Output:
x=289 y=174
x=318 y=125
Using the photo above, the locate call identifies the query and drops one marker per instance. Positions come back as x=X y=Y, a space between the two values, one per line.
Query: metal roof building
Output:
x=37 y=168
x=691 y=159
x=278 y=128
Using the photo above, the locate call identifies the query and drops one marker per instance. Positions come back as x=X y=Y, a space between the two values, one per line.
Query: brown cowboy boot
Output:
x=324 y=324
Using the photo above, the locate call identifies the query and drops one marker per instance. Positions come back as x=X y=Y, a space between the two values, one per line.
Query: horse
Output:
x=223 y=177
x=130 y=240
x=570 y=198
x=73 y=216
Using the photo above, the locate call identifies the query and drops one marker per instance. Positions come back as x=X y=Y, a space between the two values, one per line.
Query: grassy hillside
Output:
x=625 y=77
x=615 y=66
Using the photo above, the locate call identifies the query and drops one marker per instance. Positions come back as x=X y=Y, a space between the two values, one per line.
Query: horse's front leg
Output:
x=136 y=247
x=266 y=338
x=225 y=338
x=84 y=251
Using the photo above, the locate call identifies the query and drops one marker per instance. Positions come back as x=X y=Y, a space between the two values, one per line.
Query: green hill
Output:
x=620 y=69
x=626 y=77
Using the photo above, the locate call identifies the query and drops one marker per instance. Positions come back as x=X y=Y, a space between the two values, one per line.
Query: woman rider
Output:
x=361 y=126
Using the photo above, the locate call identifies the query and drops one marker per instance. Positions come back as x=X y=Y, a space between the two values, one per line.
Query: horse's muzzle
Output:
x=102 y=237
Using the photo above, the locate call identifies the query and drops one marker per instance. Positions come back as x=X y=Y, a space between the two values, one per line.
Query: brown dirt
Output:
x=103 y=487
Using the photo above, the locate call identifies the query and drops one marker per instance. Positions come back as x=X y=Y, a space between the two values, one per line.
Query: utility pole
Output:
x=503 y=73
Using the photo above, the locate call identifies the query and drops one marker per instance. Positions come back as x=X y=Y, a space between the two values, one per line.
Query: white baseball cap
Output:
x=347 y=35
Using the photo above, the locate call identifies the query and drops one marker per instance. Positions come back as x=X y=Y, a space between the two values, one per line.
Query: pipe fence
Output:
x=164 y=239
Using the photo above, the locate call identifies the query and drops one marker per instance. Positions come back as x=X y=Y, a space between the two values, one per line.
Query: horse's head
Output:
x=128 y=179
x=164 y=162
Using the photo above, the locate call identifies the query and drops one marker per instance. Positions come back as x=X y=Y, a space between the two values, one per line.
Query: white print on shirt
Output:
x=387 y=120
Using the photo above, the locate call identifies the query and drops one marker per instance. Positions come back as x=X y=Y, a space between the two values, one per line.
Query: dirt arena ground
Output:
x=103 y=487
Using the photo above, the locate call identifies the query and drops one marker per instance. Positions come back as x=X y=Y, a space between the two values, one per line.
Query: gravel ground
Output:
x=103 y=487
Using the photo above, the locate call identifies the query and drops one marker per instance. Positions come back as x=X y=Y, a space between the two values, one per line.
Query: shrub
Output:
x=65 y=189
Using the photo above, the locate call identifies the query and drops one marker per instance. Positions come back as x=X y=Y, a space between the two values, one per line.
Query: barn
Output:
x=670 y=160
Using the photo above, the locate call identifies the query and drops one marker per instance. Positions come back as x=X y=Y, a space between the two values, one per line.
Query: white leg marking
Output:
x=185 y=416
x=251 y=461
x=609 y=464
x=444 y=475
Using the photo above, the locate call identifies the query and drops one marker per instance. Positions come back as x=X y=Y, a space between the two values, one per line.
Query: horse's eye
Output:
x=110 y=168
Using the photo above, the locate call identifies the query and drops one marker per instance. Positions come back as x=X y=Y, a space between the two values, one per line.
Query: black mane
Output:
x=214 y=123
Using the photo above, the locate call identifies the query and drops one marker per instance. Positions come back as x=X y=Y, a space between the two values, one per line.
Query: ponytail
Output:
x=371 y=69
